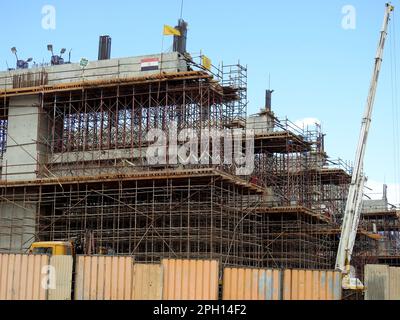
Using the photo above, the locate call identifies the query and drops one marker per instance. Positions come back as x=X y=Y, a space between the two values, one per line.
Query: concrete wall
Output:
x=262 y=123
x=97 y=155
x=377 y=205
x=96 y=70
x=17 y=226
x=27 y=129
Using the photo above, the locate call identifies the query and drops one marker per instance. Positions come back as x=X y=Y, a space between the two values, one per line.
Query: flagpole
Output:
x=182 y=9
x=162 y=53
x=159 y=85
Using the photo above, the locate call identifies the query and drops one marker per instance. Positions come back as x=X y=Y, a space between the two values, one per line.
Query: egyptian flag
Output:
x=150 y=64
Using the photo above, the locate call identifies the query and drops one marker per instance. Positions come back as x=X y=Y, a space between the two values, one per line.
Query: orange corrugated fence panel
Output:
x=251 y=284
x=63 y=266
x=116 y=278
x=21 y=277
x=266 y=284
x=312 y=285
x=103 y=278
x=148 y=282
x=190 y=279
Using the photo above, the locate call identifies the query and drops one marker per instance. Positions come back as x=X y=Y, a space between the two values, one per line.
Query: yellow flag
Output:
x=170 y=31
x=206 y=62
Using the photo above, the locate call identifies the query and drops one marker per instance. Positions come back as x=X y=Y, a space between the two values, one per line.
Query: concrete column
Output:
x=27 y=130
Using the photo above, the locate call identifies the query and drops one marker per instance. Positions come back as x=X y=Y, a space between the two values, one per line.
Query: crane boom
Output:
x=352 y=213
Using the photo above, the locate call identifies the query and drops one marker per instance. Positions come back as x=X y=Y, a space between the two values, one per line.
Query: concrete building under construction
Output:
x=73 y=145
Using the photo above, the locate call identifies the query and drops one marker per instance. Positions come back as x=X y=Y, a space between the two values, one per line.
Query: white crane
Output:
x=352 y=213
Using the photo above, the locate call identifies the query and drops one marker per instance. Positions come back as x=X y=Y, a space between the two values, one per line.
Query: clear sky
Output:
x=318 y=69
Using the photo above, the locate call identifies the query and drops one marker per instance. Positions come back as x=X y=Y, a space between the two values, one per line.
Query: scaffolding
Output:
x=184 y=215
x=385 y=224
x=234 y=82
x=305 y=197
x=292 y=238
x=94 y=184
x=109 y=124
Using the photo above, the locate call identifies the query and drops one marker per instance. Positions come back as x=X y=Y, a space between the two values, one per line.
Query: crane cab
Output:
x=56 y=248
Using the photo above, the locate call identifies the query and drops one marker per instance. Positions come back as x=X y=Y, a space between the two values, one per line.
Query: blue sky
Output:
x=318 y=69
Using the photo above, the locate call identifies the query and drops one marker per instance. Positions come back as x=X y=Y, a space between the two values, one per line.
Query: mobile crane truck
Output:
x=353 y=208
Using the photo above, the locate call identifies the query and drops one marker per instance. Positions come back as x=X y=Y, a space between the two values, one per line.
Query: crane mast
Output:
x=353 y=208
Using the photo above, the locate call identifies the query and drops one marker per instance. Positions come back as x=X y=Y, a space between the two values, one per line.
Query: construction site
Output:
x=73 y=168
